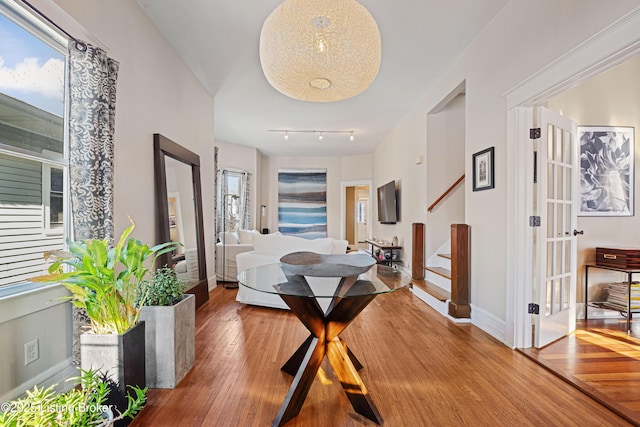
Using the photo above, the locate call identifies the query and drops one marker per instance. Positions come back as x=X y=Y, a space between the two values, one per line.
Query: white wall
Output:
x=355 y=168
x=609 y=99
x=445 y=165
x=36 y=315
x=156 y=92
x=395 y=159
x=523 y=38
x=338 y=170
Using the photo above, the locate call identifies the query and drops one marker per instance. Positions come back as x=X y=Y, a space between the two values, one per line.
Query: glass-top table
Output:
x=326 y=306
x=273 y=279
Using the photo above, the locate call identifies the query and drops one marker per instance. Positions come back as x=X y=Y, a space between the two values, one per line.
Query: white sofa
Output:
x=187 y=269
x=230 y=244
x=268 y=249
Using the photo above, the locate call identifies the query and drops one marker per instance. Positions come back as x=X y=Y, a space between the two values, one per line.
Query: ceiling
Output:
x=219 y=41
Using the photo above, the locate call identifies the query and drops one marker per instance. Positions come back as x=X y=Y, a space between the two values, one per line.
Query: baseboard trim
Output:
x=212 y=283
x=461 y=320
x=488 y=323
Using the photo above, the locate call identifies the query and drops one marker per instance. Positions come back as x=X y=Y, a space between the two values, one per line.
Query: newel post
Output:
x=417 y=251
x=459 y=307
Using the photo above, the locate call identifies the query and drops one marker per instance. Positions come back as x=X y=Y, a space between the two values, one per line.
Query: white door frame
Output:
x=343 y=206
x=611 y=46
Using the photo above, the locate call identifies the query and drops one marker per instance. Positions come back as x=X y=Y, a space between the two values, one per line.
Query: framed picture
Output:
x=606 y=170
x=302 y=202
x=483 y=170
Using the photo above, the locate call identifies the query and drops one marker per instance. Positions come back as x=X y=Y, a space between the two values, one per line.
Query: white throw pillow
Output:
x=181 y=267
x=245 y=237
x=229 y=238
x=191 y=258
x=339 y=246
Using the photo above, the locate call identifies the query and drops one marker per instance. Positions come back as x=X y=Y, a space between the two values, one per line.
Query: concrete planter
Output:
x=170 y=342
x=120 y=358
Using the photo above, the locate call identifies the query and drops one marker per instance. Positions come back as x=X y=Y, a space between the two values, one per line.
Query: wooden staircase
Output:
x=434 y=291
x=444 y=284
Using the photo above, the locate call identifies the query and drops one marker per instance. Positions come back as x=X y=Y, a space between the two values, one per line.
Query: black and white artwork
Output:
x=483 y=170
x=606 y=170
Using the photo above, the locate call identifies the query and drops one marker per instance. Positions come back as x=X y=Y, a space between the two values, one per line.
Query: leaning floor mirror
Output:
x=179 y=206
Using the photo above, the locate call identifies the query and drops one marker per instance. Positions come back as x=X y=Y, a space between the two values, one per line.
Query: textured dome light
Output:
x=320 y=50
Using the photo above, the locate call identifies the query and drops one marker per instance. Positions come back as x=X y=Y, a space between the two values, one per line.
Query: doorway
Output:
x=356 y=214
x=613 y=46
x=610 y=99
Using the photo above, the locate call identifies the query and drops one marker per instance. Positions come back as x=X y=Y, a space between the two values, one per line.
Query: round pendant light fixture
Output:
x=320 y=50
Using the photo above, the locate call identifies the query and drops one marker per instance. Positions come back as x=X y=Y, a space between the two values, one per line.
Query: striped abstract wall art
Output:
x=302 y=202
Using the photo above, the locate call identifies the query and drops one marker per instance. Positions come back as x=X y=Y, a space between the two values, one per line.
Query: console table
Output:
x=347 y=296
x=628 y=272
x=386 y=247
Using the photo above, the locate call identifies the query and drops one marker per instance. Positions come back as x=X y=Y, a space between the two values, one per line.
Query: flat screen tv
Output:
x=387 y=203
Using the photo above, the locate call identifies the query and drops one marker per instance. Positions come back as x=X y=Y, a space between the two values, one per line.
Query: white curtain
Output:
x=221 y=190
x=245 y=213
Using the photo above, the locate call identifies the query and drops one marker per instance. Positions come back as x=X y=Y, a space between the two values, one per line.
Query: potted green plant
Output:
x=103 y=280
x=85 y=405
x=169 y=316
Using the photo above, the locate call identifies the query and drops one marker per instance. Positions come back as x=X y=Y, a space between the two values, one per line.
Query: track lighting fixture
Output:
x=320 y=133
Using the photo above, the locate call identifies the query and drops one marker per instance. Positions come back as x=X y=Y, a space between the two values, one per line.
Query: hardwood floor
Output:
x=600 y=359
x=421 y=370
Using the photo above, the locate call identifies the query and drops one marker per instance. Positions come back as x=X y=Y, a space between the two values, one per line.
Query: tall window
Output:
x=33 y=153
x=53 y=198
x=232 y=200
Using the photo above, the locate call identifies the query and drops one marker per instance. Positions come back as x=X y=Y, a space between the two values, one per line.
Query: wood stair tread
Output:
x=447 y=256
x=440 y=271
x=435 y=291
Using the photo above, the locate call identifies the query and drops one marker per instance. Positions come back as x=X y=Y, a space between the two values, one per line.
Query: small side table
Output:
x=628 y=272
x=384 y=247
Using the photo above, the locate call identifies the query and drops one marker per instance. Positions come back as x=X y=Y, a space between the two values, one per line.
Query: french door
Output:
x=555 y=241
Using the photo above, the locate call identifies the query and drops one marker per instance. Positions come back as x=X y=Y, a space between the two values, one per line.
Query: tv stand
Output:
x=383 y=247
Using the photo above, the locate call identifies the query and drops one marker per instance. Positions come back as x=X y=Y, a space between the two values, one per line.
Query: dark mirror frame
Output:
x=163 y=147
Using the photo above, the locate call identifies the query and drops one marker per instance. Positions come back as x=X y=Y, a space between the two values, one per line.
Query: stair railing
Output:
x=445 y=194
